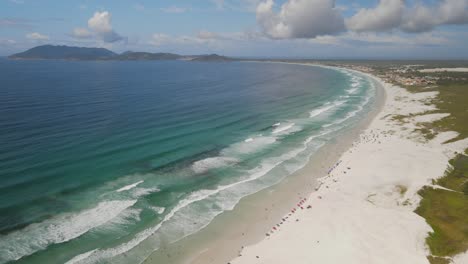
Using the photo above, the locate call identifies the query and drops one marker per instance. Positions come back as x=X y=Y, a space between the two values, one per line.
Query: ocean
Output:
x=107 y=161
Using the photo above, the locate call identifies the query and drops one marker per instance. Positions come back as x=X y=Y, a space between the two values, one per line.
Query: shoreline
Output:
x=259 y=211
x=368 y=202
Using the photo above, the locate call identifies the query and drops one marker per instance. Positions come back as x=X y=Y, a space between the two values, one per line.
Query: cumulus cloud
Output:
x=396 y=14
x=386 y=16
x=101 y=25
x=37 y=36
x=82 y=33
x=300 y=19
x=315 y=18
x=422 y=18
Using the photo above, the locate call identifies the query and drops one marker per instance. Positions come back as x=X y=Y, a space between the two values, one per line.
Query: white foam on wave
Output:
x=212 y=163
x=352 y=90
x=246 y=147
x=355 y=84
x=138 y=192
x=228 y=156
x=320 y=110
x=97 y=256
x=130 y=186
x=325 y=108
x=263 y=169
x=254 y=174
x=157 y=209
x=59 y=229
x=351 y=114
x=80 y=257
x=282 y=129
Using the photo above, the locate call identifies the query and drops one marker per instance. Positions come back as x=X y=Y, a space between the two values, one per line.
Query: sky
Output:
x=321 y=29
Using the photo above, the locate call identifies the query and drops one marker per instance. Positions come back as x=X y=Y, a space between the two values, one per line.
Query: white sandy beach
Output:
x=363 y=211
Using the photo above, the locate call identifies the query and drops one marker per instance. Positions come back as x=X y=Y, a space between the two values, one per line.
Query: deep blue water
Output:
x=105 y=158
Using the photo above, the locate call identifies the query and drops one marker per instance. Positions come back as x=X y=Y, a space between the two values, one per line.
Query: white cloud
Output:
x=159 y=39
x=353 y=39
x=300 y=19
x=396 y=14
x=386 y=16
x=100 y=23
x=37 y=36
x=422 y=18
x=203 y=34
x=394 y=39
x=81 y=33
x=174 y=9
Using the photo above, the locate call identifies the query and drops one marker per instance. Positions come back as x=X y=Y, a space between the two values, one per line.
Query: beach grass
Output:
x=438 y=260
x=446 y=211
x=451 y=99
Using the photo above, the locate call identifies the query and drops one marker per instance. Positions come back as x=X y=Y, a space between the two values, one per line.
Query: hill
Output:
x=64 y=52
x=51 y=52
x=129 y=55
x=211 y=57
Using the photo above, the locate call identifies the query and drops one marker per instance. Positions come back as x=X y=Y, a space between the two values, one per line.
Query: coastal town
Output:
x=409 y=75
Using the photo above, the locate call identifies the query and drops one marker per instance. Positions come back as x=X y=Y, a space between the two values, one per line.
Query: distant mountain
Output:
x=129 y=55
x=51 y=52
x=211 y=57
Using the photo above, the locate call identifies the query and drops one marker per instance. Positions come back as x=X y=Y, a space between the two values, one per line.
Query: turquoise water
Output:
x=104 y=162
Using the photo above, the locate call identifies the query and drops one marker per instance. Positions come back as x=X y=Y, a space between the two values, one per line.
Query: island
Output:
x=52 y=52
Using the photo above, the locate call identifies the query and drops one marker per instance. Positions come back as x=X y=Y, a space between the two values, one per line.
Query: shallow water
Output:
x=107 y=161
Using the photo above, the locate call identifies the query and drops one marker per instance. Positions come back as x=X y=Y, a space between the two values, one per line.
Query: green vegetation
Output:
x=438 y=260
x=446 y=211
x=452 y=99
x=447 y=214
